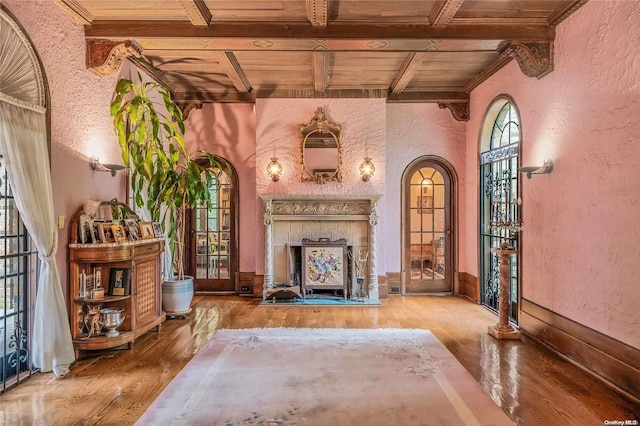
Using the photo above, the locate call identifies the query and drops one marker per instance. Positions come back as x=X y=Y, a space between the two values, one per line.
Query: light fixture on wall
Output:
x=274 y=169
x=367 y=169
x=99 y=167
x=547 y=167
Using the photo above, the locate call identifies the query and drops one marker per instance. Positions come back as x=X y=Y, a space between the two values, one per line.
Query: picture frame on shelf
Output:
x=120 y=282
x=95 y=232
x=146 y=230
x=119 y=233
x=133 y=231
x=84 y=229
x=106 y=233
x=157 y=229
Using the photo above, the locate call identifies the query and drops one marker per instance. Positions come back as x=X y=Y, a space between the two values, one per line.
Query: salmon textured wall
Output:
x=580 y=247
x=80 y=121
x=415 y=130
x=228 y=130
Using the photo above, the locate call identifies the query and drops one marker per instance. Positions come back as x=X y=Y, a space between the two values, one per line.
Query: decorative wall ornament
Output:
x=320 y=208
x=189 y=106
x=104 y=57
x=320 y=150
x=534 y=57
x=459 y=109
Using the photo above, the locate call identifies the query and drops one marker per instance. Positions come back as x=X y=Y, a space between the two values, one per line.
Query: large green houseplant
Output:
x=165 y=178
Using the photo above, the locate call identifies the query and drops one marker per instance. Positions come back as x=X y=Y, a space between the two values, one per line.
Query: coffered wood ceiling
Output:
x=240 y=50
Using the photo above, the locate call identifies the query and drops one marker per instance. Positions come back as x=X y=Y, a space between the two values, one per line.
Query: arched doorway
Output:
x=213 y=230
x=499 y=200
x=428 y=238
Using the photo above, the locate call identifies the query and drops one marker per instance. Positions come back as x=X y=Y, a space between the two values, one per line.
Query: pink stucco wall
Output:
x=79 y=104
x=415 y=130
x=228 y=130
x=363 y=133
x=580 y=247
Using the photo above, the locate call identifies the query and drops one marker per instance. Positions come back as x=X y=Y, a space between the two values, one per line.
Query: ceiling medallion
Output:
x=377 y=44
x=263 y=44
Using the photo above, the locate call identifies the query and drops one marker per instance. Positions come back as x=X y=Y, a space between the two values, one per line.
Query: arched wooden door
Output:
x=213 y=246
x=428 y=241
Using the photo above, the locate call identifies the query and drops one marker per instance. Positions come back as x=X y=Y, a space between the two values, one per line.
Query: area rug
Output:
x=291 y=376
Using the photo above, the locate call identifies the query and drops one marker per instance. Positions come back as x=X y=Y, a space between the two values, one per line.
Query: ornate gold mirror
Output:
x=320 y=149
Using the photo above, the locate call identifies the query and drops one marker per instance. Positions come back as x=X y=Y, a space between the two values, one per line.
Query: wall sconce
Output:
x=274 y=169
x=99 y=167
x=367 y=169
x=547 y=167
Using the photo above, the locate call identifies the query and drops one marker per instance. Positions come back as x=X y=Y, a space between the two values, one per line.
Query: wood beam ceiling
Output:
x=197 y=11
x=295 y=30
x=321 y=61
x=445 y=11
x=318 y=12
x=406 y=72
x=233 y=70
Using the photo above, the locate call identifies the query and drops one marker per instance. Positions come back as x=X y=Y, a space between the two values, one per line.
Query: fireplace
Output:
x=288 y=219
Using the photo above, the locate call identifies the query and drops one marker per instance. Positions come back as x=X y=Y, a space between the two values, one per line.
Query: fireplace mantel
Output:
x=313 y=216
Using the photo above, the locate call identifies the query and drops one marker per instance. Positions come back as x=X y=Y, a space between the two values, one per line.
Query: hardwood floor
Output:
x=531 y=384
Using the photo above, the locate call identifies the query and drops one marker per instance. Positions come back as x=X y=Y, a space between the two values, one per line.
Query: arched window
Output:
x=31 y=333
x=499 y=200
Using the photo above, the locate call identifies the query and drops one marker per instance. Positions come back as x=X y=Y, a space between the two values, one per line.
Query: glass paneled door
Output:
x=500 y=203
x=213 y=256
x=427 y=260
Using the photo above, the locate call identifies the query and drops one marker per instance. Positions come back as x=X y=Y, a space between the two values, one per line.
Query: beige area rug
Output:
x=295 y=376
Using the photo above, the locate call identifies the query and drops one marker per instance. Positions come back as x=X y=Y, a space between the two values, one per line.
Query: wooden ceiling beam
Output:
x=431 y=97
x=301 y=30
x=406 y=72
x=197 y=11
x=75 y=9
x=234 y=71
x=318 y=12
x=321 y=65
x=444 y=11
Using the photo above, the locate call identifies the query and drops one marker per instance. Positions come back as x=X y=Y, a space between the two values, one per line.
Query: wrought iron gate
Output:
x=500 y=208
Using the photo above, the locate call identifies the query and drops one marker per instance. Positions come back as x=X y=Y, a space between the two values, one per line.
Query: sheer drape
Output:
x=23 y=142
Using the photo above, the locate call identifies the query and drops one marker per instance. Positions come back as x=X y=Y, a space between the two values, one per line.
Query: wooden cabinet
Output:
x=142 y=306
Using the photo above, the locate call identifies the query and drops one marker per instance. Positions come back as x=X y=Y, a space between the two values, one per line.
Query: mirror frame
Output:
x=320 y=124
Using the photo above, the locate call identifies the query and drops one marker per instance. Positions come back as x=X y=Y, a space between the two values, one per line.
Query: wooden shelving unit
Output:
x=142 y=306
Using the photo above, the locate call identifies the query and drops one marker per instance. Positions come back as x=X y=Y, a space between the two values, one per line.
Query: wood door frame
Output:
x=415 y=165
x=233 y=250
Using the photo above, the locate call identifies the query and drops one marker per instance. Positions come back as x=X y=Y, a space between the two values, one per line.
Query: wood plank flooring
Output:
x=531 y=384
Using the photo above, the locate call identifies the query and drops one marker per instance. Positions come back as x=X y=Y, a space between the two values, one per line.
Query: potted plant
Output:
x=165 y=178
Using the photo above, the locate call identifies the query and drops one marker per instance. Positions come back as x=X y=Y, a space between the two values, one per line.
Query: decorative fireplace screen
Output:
x=324 y=265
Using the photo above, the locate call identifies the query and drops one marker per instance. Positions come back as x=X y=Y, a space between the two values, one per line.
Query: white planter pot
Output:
x=177 y=295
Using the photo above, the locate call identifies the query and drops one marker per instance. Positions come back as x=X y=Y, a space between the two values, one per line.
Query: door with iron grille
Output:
x=499 y=202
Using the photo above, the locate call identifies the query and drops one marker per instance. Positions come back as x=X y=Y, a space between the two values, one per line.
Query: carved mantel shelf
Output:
x=287 y=207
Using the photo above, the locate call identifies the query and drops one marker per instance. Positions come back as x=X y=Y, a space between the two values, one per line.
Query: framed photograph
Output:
x=131 y=225
x=146 y=230
x=119 y=233
x=95 y=232
x=84 y=229
x=106 y=234
x=120 y=281
x=324 y=265
x=157 y=230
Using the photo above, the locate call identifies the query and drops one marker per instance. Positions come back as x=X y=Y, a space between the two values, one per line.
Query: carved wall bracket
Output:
x=104 y=57
x=534 y=57
x=459 y=110
x=189 y=106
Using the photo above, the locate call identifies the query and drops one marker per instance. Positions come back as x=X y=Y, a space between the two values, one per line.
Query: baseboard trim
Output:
x=614 y=362
x=469 y=286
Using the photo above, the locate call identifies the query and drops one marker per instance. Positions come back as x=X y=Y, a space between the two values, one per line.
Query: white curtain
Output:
x=23 y=142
